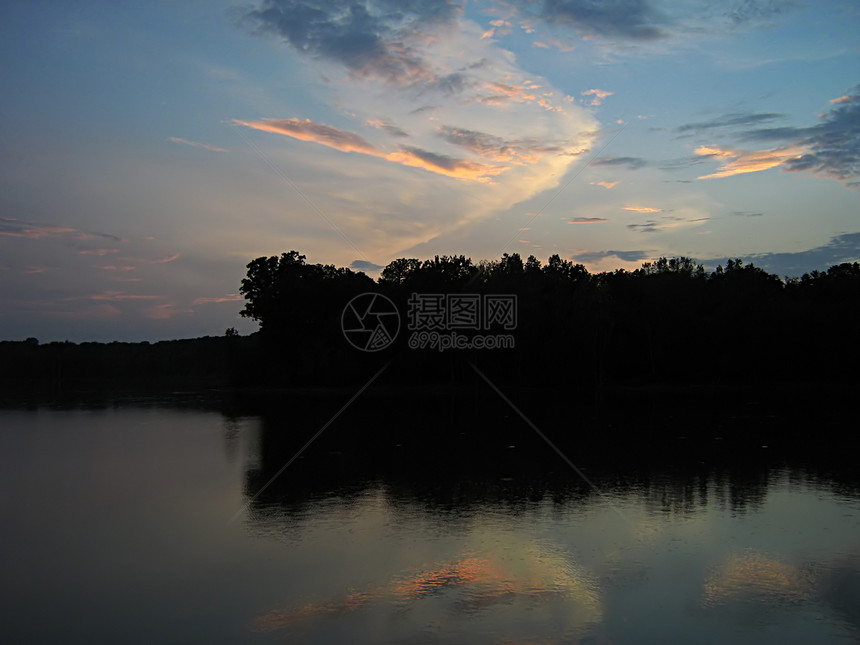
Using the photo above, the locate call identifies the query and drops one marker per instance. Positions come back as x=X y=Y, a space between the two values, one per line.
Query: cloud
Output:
x=643 y=209
x=632 y=163
x=626 y=256
x=391 y=129
x=665 y=223
x=371 y=38
x=621 y=19
x=841 y=248
x=738 y=162
x=165 y=311
x=605 y=184
x=98 y=252
x=364 y=265
x=587 y=220
x=598 y=95
x=651 y=226
x=831 y=148
x=115 y=267
x=747 y=214
x=498 y=149
x=319 y=133
x=114 y=296
x=349 y=142
x=733 y=119
x=195 y=144
x=469 y=110
x=164 y=260
x=230 y=297
x=12 y=227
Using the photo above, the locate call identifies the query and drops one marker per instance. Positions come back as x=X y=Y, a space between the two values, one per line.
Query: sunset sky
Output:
x=150 y=150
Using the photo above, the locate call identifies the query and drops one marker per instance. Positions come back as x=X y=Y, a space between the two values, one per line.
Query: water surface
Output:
x=118 y=527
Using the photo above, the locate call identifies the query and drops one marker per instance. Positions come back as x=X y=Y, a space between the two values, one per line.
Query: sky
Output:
x=150 y=150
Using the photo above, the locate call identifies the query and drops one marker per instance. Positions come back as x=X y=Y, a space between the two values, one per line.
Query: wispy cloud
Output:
x=643 y=209
x=12 y=227
x=164 y=260
x=666 y=222
x=605 y=184
x=633 y=163
x=165 y=311
x=390 y=128
x=737 y=162
x=195 y=144
x=116 y=296
x=587 y=220
x=733 y=119
x=830 y=148
x=349 y=142
x=98 y=252
x=230 y=297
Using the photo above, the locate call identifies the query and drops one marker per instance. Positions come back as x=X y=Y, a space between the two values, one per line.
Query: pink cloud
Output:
x=119 y=295
x=598 y=95
x=99 y=252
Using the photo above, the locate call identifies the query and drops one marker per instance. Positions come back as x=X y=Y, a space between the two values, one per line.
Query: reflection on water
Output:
x=118 y=522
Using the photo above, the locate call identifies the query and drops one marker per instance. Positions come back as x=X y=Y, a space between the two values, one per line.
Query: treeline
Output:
x=57 y=368
x=670 y=322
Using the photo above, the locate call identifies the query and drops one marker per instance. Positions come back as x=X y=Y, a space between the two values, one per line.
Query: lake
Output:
x=144 y=522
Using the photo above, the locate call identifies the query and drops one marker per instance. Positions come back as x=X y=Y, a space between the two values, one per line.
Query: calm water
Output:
x=116 y=527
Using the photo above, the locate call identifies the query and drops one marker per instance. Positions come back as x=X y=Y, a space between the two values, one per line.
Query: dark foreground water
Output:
x=136 y=524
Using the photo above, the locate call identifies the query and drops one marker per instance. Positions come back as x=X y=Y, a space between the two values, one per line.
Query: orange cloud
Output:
x=195 y=144
x=743 y=162
x=112 y=267
x=349 y=142
x=643 y=209
x=307 y=130
x=598 y=95
x=841 y=99
x=605 y=184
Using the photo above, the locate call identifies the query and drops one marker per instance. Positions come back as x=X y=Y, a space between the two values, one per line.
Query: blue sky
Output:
x=151 y=150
